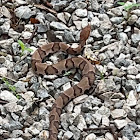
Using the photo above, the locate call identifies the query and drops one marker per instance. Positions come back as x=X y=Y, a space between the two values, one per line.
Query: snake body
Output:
x=87 y=69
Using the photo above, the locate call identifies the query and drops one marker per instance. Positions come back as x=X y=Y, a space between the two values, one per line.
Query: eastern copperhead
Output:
x=75 y=62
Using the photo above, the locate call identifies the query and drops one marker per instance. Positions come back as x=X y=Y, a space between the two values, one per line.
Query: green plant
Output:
x=101 y=75
x=67 y=73
x=11 y=87
x=128 y=7
x=23 y=47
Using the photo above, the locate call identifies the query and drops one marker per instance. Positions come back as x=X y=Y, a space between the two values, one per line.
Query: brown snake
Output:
x=84 y=65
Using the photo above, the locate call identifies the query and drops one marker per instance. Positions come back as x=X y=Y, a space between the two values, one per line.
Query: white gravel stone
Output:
x=58 y=26
x=67 y=135
x=8 y=96
x=24 y=12
x=118 y=113
x=91 y=136
x=3 y=71
x=109 y=136
x=132 y=70
x=26 y=35
x=120 y=123
x=80 y=99
x=131 y=100
x=81 y=12
x=6 y=43
x=81 y=124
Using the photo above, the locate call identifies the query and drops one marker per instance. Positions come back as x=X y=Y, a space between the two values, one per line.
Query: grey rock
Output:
x=130 y=85
x=26 y=34
x=43 y=135
x=61 y=17
x=97 y=118
x=24 y=12
x=117 y=11
x=122 y=62
x=131 y=114
x=80 y=5
x=50 y=17
x=116 y=20
x=13 y=107
x=64 y=121
x=135 y=39
x=81 y=12
x=96 y=35
x=88 y=118
x=76 y=132
x=2 y=59
x=132 y=19
x=86 y=106
x=104 y=111
x=15 y=138
x=107 y=38
x=138 y=88
x=60 y=81
x=91 y=136
x=3 y=71
x=27 y=136
x=132 y=70
x=6 y=44
x=67 y=135
x=136 y=11
x=138 y=23
x=118 y=113
x=58 y=26
x=35 y=87
x=42 y=93
x=13 y=34
x=8 y=96
x=105 y=23
x=35 y=129
x=120 y=123
x=70 y=8
x=95 y=22
x=20 y=86
x=42 y=28
x=33 y=80
x=13 y=125
x=59 y=5
x=106 y=85
x=131 y=100
x=129 y=129
x=94 y=5
x=123 y=36
x=15 y=48
x=5 y=27
x=81 y=123
x=68 y=36
x=5 y=12
x=80 y=99
x=16 y=133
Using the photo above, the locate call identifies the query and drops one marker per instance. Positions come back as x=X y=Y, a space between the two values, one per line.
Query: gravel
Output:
x=114 y=98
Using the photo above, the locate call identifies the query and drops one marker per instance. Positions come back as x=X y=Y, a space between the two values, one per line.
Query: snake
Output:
x=87 y=72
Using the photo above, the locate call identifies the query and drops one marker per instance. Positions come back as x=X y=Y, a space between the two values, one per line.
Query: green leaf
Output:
x=12 y=88
x=28 y=49
x=121 y=3
x=22 y=45
x=67 y=73
x=128 y=7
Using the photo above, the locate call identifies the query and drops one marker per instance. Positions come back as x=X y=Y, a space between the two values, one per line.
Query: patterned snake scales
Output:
x=87 y=69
